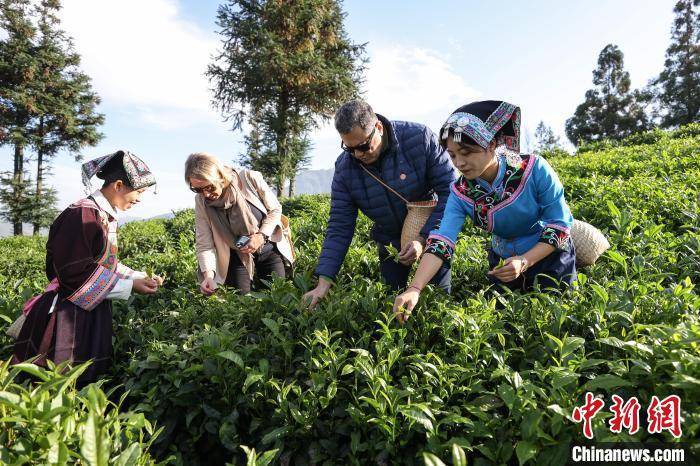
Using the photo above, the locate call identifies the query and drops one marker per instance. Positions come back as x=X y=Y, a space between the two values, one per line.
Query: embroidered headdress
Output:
x=481 y=121
x=138 y=174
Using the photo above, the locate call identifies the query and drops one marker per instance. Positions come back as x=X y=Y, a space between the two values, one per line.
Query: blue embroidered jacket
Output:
x=523 y=206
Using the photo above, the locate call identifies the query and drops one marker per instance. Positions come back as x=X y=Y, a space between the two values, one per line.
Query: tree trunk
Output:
x=39 y=174
x=281 y=142
x=292 y=182
x=18 y=180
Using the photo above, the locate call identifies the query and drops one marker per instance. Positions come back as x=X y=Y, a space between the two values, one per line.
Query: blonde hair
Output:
x=206 y=167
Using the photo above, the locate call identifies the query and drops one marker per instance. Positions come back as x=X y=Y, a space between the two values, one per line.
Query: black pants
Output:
x=396 y=274
x=267 y=260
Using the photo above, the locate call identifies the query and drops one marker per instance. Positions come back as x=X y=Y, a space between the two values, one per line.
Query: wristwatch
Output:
x=265 y=237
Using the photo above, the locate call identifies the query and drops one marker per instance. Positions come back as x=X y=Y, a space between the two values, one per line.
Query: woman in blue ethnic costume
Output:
x=517 y=198
x=72 y=319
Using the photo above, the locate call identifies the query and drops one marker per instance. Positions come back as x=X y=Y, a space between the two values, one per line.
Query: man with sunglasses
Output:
x=405 y=156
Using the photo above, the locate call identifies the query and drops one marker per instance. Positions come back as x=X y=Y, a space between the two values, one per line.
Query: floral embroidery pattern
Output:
x=439 y=247
x=483 y=200
x=95 y=288
x=556 y=236
x=469 y=124
x=483 y=132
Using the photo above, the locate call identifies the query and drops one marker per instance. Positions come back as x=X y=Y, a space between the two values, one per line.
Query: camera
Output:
x=242 y=241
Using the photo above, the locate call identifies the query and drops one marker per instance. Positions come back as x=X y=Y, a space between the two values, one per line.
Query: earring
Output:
x=512 y=158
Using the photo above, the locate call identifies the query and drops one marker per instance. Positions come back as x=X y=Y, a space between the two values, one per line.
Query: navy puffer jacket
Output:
x=415 y=166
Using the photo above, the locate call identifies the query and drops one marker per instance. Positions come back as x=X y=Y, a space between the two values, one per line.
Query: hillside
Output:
x=496 y=376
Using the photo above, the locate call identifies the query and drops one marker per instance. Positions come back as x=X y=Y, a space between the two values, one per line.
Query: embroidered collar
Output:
x=104 y=204
x=486 y=199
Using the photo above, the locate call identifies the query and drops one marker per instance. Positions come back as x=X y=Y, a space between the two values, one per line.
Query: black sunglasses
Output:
x=208 y=189
x=364 y=147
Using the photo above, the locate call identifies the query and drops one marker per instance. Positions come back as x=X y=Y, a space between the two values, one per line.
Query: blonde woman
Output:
x=239 y=234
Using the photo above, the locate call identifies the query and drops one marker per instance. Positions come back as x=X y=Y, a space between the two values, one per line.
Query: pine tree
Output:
x=545 y=138
x=18 y=107
x=46 y=102
x=678 y=85
x=610 y=110
x=16 y=199
x=291 y=62
x=67 y=106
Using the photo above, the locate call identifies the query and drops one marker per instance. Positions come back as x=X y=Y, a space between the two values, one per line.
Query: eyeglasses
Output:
x=204 y=189
x=364 y=147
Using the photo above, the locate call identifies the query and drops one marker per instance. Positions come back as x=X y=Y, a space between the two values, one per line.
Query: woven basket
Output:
x=589 y=242
x=14 y=329
x=287 y=231
x=418 y=214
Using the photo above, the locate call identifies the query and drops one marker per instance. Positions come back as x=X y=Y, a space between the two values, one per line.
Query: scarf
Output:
x=230 y=213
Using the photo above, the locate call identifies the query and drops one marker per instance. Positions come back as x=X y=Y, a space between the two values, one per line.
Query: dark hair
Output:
x=354 y=113
x=114 y=171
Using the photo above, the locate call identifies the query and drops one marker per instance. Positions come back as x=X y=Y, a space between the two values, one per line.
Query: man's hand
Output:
x=312 y=298
x=410 y=253
x=145 y=286
x=256 y=240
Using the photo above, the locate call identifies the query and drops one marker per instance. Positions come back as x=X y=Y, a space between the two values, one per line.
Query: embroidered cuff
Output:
x=440 y=246
x=555 y=235
x=95 y=289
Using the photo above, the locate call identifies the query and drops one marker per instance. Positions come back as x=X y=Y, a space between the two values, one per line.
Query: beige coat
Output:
x=213 y=252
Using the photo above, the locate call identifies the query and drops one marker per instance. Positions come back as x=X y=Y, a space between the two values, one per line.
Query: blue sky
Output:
x=147 y=59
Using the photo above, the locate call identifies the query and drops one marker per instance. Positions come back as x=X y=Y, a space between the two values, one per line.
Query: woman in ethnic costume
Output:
x=72 y=319
x=517 y=198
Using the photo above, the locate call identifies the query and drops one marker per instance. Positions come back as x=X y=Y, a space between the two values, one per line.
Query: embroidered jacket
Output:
x=523 y=206
x=82 y=254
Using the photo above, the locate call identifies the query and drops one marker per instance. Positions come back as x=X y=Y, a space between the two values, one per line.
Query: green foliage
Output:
x=654 y=136
x=283 y=67
x=478 y=376
x=545 y=139
x=677 y=85
x=46 y=104
x=610 y=110
x=50 y=422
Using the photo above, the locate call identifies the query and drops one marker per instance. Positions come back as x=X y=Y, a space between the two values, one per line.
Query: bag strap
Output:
x=255 y=189
x=380 y=181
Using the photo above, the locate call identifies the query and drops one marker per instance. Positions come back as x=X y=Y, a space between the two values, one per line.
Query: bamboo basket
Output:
x=589 y=242
x=418 y=212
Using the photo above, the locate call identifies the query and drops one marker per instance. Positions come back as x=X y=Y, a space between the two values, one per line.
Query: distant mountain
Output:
x=126 y=219
x=314 y=181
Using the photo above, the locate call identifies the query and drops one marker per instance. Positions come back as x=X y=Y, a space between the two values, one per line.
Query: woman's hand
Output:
x=256 y=240
x=512 y=268
x=144 y=286
x=208 y=286
x=404 y=304
x=158 y=279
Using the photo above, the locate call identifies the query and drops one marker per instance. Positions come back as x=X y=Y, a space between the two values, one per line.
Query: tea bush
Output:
x=481 y=374
x=51 y=422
